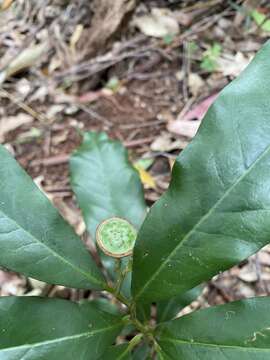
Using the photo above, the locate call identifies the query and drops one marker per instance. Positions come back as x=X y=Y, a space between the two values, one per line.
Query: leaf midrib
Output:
x=197 y=343
x=55 y=254
x=98 y=150
x=114 y=206
x=205 y=217
x=64 y=338
x=124 y=354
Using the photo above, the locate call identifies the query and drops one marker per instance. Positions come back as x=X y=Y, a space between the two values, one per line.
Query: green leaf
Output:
x=261 y=20
x=163 y=356
x=168 y=309
x=119 y=352
x=141 y=352
x=105 y=305
x=144 y=163
x=123 y=351
x=239 y=330
x=35 y=240
x=105 y=183
x=210 y=57
x=216 y=211
x=42 y=329
x=113 y=84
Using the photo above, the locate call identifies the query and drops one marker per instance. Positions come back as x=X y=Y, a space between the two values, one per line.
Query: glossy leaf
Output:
x=168 y=309
x=216 y=211
x=34 y=239
x=163 y=356
x=42 y=329
x=141 y=352
x=105 y=305
x=105 y=183
x=234 y=331
x=119 y=352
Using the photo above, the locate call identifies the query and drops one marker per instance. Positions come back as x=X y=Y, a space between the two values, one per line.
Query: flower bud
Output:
x=116 y=237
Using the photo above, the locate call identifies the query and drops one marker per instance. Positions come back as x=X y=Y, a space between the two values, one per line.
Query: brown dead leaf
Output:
x=264 y=258
x=233 y=65
x=24 y=60
x=5 y=4
x=198 y=111
x=195 y=83
x=165 y=143
x=159 y=23
x=13 y=122
x=11 y=284
x=183 y=17
x=37 y=287
x=248 y=273
x=245 y=291
x=184 y=126
x=23 y=87
x=92 y=96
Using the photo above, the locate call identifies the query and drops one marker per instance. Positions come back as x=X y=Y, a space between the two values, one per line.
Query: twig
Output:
x=38 y=116
x=64 y=158
x=143 y=125
x=221 y=291
x=134 y=143
x=186 y=70
x=185 y=108
x=51 y=161
x=100 y=63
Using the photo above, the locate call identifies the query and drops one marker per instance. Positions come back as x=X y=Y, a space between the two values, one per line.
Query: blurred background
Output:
x=143 y=71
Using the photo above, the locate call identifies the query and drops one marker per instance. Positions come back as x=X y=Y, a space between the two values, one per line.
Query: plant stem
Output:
x=117 y=267
x=157 y=350
x=134 y=341
x=119 y=296
x=144 y=330
x=122 y=299
x=122 y=275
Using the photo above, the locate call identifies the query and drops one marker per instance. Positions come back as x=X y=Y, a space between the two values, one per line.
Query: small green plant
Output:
x=210 y=57
x=113 y=84
x=214 y=215
x=261 y=20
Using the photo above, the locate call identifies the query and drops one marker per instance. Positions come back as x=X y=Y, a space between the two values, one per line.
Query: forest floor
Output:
x=145 y=72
